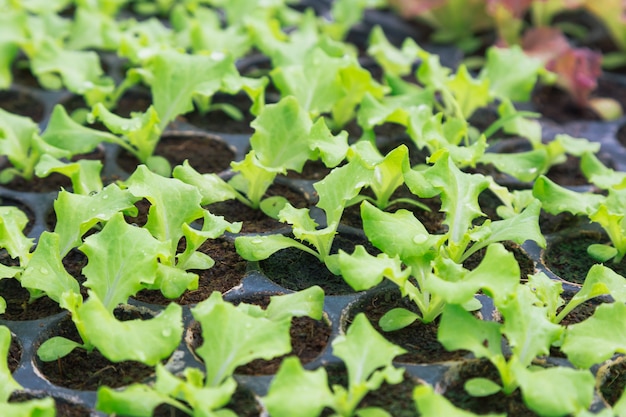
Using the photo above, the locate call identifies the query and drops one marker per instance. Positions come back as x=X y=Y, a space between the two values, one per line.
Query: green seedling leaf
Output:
x=363 y=271
x=257 y=248
x=12 y=238
x=212 y=188
x=21 y=144
x=45 y=270
x=556 y=199
x=173 y=204
x=459 y=200
x=84 y=174
x=139 y=134
x=526 y=326
x=598 y=337
x=137 y=400
x=470 y=93
x=397 y=318
x=498 y=275
x=517 y=228
x=79 y=71
x=431 y=404
x=146 y=341
x=242 y=338
x=8 y=383
x=459 y=329
x=44 y=407
x=308 y=302
x=557 y=391
x=599 y=174
x=252 y=179
x=55 y=348
x=394 y=61
x=295 y=391
x=398 y=234
x=316 y=90
x=188 y=76
x=64 y=133
x=77 y=213
x=281 y=133
x=122 y=260
x=611 y=218
x=363 y=360
x=601 y=253
x=481 y=387
x=524 y=166
x=331 y=149
x=173 y=281
x=513 y=85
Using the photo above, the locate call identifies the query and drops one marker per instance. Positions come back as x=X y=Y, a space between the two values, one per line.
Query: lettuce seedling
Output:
x=246 y=332
x=340 y=186
x=336 y=90
x=122 y=259
x=43 y=407
x=547 y=391
x=600 y=280
x=430 y=403
x=605 y=210
x=577 y=69
x=368 y=359
x=25 y=147
x=454 y=21
x=174 y=206
x=434 y=261
x=285 y=138
x=387 y=174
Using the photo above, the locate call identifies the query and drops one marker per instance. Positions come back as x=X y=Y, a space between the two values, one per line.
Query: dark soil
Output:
x=255 y=221
x=64 y=408
x=15 y=354
x=614 y=383
x=397 y=399
x=18 y=307
x=580 y=313
x=218 y=121
x=22 y=103
x=419 y=339
x=227 y=273
x=309 y=338
x=88 y=371
x=242 y=403
x=132 y=101
x=53 y=182
x=206 y=154
x=556 y=104
x=513 y=405
x=432 y=220
x=297 y=270
x=550 y=223
x=526 y=264
x=567 y=257
x=4 y=201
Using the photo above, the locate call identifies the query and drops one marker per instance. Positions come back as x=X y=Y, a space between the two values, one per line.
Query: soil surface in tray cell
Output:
x=227 y=272
x=527 y=266
x=397 y=399
x=87 y=371
x=218 y=121
x=64 y=408
x=254 y=220
x=568 y=257
x=297 y=270
x=205 y=154
x=22 y=104
x=513 y=404
x=309 y=338
x=614 y=383
x=419 y=339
